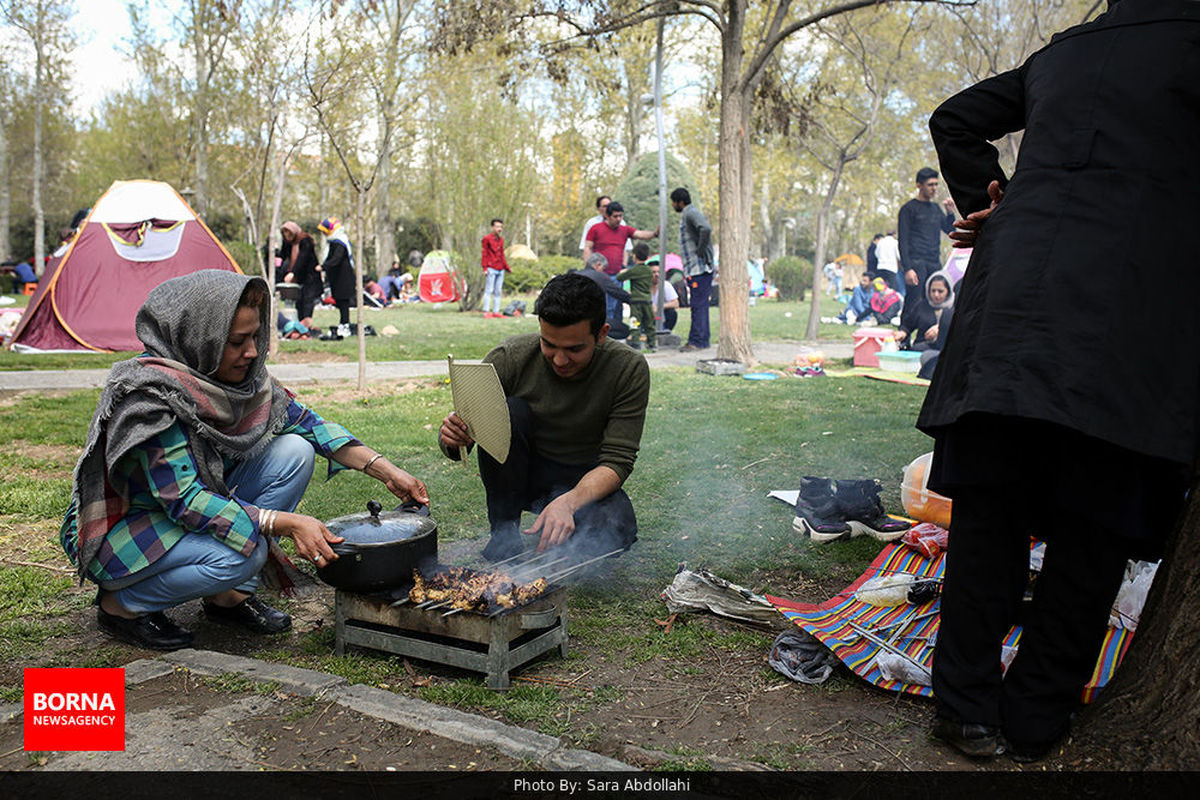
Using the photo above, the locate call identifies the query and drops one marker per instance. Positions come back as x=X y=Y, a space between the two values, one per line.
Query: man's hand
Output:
x=969 y=226
x=556 y=523
x=910 y=277
x=454 y=433
x=949 y=205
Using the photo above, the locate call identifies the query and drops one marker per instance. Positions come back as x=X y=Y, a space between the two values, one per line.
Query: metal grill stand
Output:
x=491 y=645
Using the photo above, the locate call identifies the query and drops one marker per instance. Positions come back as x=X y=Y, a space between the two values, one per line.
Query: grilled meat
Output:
x=469 y=590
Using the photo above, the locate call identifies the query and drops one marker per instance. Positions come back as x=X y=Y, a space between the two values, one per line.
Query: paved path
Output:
x=768 y=353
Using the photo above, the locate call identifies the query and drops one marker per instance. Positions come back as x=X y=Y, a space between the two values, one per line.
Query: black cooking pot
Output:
x=381 y=548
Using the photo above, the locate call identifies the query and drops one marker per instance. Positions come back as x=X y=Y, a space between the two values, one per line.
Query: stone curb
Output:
x=418 y=715
x=304 y=682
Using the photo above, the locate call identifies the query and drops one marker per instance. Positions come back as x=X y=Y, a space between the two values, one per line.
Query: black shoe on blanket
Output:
x=252 y=614
x=153 y=631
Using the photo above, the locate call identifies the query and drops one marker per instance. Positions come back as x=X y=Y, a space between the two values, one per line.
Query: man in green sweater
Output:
x=577 y=402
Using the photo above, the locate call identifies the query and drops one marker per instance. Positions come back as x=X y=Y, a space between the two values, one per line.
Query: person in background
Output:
x=494 y=266
x=195 y=460
x=696 y=250
x=872 y=257
x=616 y=297
x=920 y=321
x=640 y=277
x=886 y=303
x=921 y=223
x=887 y=261
x=300 y=266
x=601 y=212
x=860 y=302
x=23 y=275
x=339 y=272
x=670 y=297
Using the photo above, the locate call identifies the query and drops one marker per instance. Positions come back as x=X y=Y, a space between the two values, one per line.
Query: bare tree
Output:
x=44 y=24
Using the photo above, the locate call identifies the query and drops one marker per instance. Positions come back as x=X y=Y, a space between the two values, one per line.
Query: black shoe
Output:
x=863 y=510
x=968 y=738
x=818 y=515
x=252 y=614
x=153 y=631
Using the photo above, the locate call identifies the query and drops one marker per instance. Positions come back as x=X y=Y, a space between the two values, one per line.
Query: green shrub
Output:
x=246 y=255
x=791 y=275
x=530 y=276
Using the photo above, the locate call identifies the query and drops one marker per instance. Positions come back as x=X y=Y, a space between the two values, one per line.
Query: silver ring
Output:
x=317 y=558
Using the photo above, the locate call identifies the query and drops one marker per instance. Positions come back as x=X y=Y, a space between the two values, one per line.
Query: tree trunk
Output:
x=39 y=214
x=360 y=201
x=814 y=311
x=1150 y=714
x=5 y=178
x=735 y=193
x=385 y=234
x=200 y=126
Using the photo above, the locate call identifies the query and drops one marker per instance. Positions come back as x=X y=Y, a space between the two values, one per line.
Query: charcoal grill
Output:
x=494 y=645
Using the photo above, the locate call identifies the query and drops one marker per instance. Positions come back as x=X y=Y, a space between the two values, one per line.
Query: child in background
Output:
x=886 y=303
x=640 y=276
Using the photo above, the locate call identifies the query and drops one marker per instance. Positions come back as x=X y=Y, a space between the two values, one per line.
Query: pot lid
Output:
x=378 y=527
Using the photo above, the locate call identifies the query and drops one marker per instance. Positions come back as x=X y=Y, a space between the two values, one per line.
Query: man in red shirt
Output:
x=494 y=266
x=609 y=237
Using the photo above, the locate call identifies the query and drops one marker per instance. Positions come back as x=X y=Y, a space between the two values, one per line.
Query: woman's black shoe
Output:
x=252 y=614
x=153 y=631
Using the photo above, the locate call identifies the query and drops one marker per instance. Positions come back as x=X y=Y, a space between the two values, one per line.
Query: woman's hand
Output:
x=399 y=482
x=968 y=228
x=310 y=535
x=931 y=334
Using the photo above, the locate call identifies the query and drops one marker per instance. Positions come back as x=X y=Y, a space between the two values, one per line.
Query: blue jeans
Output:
x=699 y=290
x=199 y=565
x=492 y=289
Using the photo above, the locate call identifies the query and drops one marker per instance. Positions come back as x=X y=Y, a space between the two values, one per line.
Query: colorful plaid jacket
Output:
x=167 y=501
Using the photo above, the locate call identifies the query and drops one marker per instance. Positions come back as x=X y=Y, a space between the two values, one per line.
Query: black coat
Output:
x=304 y=271
x=339 y=271
x=1066 y=313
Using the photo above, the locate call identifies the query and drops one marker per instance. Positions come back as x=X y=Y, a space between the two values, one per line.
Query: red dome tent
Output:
x=139 y=234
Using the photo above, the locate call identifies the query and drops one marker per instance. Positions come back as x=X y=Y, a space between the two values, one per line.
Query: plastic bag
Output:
x=896 y=667
x=1127 y=609
x=884 y=590
x=927 y=539
x=800 y=656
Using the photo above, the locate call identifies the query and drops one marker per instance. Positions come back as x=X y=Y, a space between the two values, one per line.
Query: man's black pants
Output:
x=527 y=481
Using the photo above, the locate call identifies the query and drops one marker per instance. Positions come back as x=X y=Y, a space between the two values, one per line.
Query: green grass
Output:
x=427 y=332
x=233 y=682
x=712 y=449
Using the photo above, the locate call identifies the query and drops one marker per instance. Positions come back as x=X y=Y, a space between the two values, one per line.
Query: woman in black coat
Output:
x=1058 y=406
x=339 y=270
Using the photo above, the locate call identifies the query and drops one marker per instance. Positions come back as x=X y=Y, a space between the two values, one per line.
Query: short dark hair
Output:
x=614 y=207
x=571 y=298
x=494 y=221
x=681 y=195
x=877 y=237
x=925 y=173
x=641 y=251
x=601 y=198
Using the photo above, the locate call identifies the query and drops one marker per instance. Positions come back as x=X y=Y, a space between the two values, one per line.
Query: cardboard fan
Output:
x=480 y=401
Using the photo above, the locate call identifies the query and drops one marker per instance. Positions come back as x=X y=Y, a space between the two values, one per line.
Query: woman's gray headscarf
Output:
x=949 y=301
x=184 y=325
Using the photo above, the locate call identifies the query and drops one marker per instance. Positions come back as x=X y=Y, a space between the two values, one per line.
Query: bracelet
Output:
x=371 y=461
x=266 y=521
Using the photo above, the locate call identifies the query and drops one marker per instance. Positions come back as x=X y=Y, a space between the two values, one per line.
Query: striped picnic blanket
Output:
x=830 y=622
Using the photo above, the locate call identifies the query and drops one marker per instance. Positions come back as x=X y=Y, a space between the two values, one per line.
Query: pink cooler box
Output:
x=867 y=344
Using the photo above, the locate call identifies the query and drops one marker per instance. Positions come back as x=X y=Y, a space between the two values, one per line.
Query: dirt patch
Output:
x=218 y=724
x=347 y=391
x=722 y=708
x=12 y=397
x=308 y=357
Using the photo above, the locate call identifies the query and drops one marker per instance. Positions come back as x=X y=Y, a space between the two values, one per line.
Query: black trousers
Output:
x=1086 y=499
x=528 y=481
x=310 y=295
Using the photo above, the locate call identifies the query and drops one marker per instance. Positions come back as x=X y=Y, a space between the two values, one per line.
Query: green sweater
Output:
x=640 y=276
x=594 y=418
